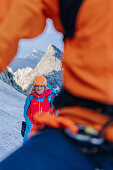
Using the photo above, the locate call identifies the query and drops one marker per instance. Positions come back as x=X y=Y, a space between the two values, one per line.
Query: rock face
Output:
x=8 y=77
x=50 y=61
x=55 y=80
x=21 y=73
x=49 y=66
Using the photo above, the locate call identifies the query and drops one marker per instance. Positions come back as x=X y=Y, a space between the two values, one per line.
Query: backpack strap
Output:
x=49 y=97
x=31 y=98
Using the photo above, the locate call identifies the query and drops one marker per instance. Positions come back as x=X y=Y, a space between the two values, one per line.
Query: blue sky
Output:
x=49 y=36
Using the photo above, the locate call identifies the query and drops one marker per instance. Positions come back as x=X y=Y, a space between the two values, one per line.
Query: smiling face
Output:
x=39 y=89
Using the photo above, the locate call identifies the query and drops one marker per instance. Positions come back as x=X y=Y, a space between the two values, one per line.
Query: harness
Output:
x=88 y=140
x=90 y=144
x=65 y=99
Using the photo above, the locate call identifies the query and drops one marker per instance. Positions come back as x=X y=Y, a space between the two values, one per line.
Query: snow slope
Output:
x=11 y=116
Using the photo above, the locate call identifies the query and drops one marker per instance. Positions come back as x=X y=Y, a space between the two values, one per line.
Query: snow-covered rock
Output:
x=8 y=77
x=21 y=73
x=50 y=61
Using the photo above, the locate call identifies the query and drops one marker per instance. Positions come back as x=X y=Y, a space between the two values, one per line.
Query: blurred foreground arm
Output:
x=5 y=6
x=25 y=19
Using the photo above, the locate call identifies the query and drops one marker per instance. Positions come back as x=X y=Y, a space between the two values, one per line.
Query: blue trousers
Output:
x=52 y=150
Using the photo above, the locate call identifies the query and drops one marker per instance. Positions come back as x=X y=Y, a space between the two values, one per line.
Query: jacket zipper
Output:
x=39 y=104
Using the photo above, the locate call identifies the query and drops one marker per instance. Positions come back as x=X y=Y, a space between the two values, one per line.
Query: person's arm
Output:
x=27 y=113
x=5 y=6
x=25 y=19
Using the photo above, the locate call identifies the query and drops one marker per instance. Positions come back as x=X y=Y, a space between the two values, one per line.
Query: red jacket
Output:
x=37 y=104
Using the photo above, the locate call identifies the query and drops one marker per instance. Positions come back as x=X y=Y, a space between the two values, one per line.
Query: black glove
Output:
x=23 y=128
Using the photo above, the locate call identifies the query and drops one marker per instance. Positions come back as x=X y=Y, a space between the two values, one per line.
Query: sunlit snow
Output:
x=11 y=116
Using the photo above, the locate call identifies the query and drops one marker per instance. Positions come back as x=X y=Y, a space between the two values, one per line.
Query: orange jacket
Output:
x=4 y=8
x=88 y=56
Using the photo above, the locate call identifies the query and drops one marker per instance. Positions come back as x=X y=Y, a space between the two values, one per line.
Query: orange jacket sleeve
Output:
x=5 y=6
x=26 y=19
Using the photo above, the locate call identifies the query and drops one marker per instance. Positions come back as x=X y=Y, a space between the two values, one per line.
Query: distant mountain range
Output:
x=30 y=60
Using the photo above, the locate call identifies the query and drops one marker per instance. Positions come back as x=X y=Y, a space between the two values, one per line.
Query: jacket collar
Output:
x=46 y=93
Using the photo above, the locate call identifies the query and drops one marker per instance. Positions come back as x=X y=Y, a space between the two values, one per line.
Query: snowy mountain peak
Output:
x=52 y=50
x=50 y=61
x=34 y=54
x=35 y=50
x=9 y=70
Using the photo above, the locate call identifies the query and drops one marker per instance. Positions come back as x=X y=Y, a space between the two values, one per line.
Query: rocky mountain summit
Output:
x=49 y=65
x=50 y=62
x=8 y=77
